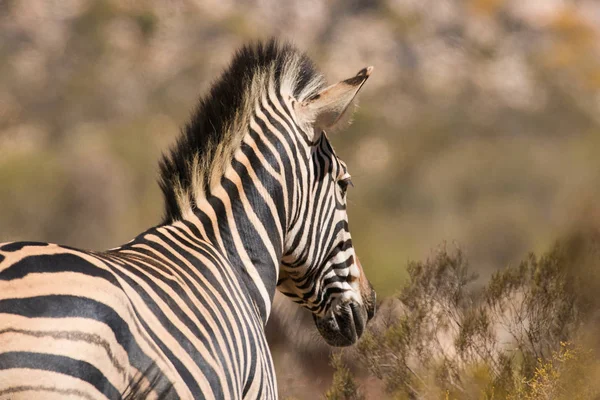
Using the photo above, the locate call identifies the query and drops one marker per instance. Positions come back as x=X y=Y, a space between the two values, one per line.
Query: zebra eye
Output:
x=344 y=183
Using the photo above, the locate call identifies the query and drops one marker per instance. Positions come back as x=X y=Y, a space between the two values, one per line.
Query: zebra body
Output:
x=255 y=199
x=118 y=313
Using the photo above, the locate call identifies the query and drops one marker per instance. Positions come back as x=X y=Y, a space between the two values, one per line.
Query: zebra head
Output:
x=320 y=269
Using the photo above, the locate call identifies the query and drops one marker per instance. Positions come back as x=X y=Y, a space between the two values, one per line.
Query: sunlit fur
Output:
x=179 y=311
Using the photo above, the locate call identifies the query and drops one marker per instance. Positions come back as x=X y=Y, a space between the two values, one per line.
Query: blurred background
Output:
x=479 y=126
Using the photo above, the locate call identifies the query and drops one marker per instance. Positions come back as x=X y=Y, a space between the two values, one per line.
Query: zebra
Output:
x=255 y=200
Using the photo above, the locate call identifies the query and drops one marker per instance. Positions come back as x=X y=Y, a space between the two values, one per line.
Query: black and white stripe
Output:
x=255 y=198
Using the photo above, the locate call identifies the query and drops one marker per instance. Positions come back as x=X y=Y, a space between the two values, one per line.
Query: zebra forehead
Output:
x=217 y=127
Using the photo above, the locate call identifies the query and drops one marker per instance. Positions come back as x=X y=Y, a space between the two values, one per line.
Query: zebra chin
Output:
x=344 y=327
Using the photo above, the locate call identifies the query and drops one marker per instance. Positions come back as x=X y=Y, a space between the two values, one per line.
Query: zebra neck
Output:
x=246 y=223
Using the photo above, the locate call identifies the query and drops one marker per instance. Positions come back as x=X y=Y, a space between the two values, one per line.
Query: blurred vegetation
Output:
x=480 y=126
x=344 y=386
x=529 y=333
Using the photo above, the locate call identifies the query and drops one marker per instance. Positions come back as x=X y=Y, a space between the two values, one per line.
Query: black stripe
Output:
x=268 y=181
x=64 y=306
x=260 y=207
x=200 y=297
x=74 y=336
x=62 y=365
x=232 y=253
x=183 y=341
x=254 y=246
x=253 y=364
x=228 y=286
x=250 y=325
x=291 y=175
x=14 y=246
x=268 y=155
x=54 y=263
x=280 y=149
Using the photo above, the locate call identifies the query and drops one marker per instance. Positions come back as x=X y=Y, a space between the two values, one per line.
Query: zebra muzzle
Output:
x=344 y=327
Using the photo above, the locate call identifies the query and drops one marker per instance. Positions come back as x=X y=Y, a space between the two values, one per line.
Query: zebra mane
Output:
x=208 y=142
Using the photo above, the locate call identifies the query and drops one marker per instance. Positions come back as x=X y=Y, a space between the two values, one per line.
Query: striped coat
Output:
x=254 y=201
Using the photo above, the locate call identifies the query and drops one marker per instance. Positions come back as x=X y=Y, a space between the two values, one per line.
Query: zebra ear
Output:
x=330 y=106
